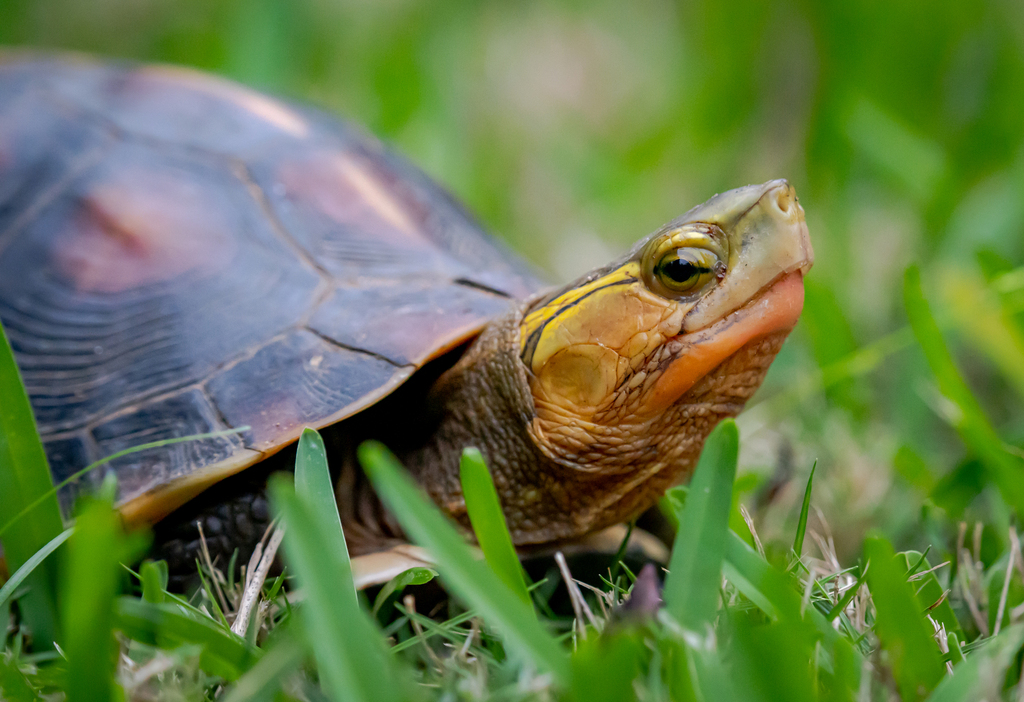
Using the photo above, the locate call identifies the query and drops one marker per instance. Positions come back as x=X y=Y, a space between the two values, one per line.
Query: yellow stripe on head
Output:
x=543 y=320
x=635 y=336
x=583 y=341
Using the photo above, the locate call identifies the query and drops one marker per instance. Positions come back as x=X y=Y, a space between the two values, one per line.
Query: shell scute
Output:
x=124 y=285
x=197 y=110
x=296 y=381
x=135 y=225
x=446 y=313
x=344 y=215
x=181 y=414
x=363 y=212
x=67 y=456
x=42 y=145
x=179 y=254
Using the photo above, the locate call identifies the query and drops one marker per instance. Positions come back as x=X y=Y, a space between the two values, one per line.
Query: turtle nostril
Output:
x=785 y=199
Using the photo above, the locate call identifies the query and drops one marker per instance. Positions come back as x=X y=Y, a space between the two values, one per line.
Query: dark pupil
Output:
x=680 y=270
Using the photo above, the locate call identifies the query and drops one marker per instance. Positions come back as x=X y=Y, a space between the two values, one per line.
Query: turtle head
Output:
x=629 y=356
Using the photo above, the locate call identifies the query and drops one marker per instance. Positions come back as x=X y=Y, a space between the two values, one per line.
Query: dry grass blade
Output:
x=753 y=532
x=410 y=604
x=255 y=583
x=966 y=576
x=924 y=573
x=1018 y=559
x=214 y=573
x=579 y=605
x=1005 y=591
x=474 y=631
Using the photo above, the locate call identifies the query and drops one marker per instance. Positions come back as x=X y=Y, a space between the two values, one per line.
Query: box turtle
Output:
x=180 y=254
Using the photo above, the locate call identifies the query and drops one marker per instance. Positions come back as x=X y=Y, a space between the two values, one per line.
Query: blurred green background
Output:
x=574 y=128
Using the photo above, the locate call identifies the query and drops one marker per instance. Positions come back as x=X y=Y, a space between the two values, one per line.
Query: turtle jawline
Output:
x=776 y=309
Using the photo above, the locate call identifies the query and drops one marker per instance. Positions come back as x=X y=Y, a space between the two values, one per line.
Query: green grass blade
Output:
x=449 y=629
x=929 y=591
x=313 y=483
x=14 y=687
x=772 y=661
x=775 y=593
x=805 y=508
x=987 y=325
x=695 y=569
x=412 y=576
x=956 y=653
x=901 y=626
x=169 y=625
x=470 y=579
x=983 y=670
x=605 y=667
x=90 y=581
x=1005 y=470
x=489 y=522
x=770 y=589
x=19 y=576
x=353 y=670
x=154 y=576
x=714 y=679
x=24 y=477
x=349 y=650
x=263 y=681
x=678 y=669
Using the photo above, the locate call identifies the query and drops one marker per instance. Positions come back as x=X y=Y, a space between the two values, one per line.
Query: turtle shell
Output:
x=180 y=254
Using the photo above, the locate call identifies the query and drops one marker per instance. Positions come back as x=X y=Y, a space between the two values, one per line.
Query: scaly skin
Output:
x=589 y=477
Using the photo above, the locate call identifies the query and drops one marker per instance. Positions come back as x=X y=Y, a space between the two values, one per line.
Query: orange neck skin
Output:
x=776 y=309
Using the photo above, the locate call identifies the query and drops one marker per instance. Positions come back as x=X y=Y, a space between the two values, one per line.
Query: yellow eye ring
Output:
x=687 y=269
x=683 y=262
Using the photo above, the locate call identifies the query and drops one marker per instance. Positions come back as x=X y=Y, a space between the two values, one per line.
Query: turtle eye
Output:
x=687 y=269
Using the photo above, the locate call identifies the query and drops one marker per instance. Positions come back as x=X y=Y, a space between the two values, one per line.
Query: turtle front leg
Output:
x=230 y=521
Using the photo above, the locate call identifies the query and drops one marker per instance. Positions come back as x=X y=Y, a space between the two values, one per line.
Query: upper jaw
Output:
x=768 y=241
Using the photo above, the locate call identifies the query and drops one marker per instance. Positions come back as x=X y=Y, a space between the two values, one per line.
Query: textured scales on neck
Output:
x=560 y=480
x=591 y=400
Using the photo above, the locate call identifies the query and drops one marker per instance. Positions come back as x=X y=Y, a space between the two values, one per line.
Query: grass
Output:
x=695 y=571
x=24 y=481
x=489 y=523
x=572 y=129
x=734 y=625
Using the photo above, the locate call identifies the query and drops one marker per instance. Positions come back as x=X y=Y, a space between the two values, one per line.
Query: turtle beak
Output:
x=762 y=293
x=768 y=241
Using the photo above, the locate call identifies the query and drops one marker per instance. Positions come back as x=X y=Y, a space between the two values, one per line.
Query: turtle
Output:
x=184 y=255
